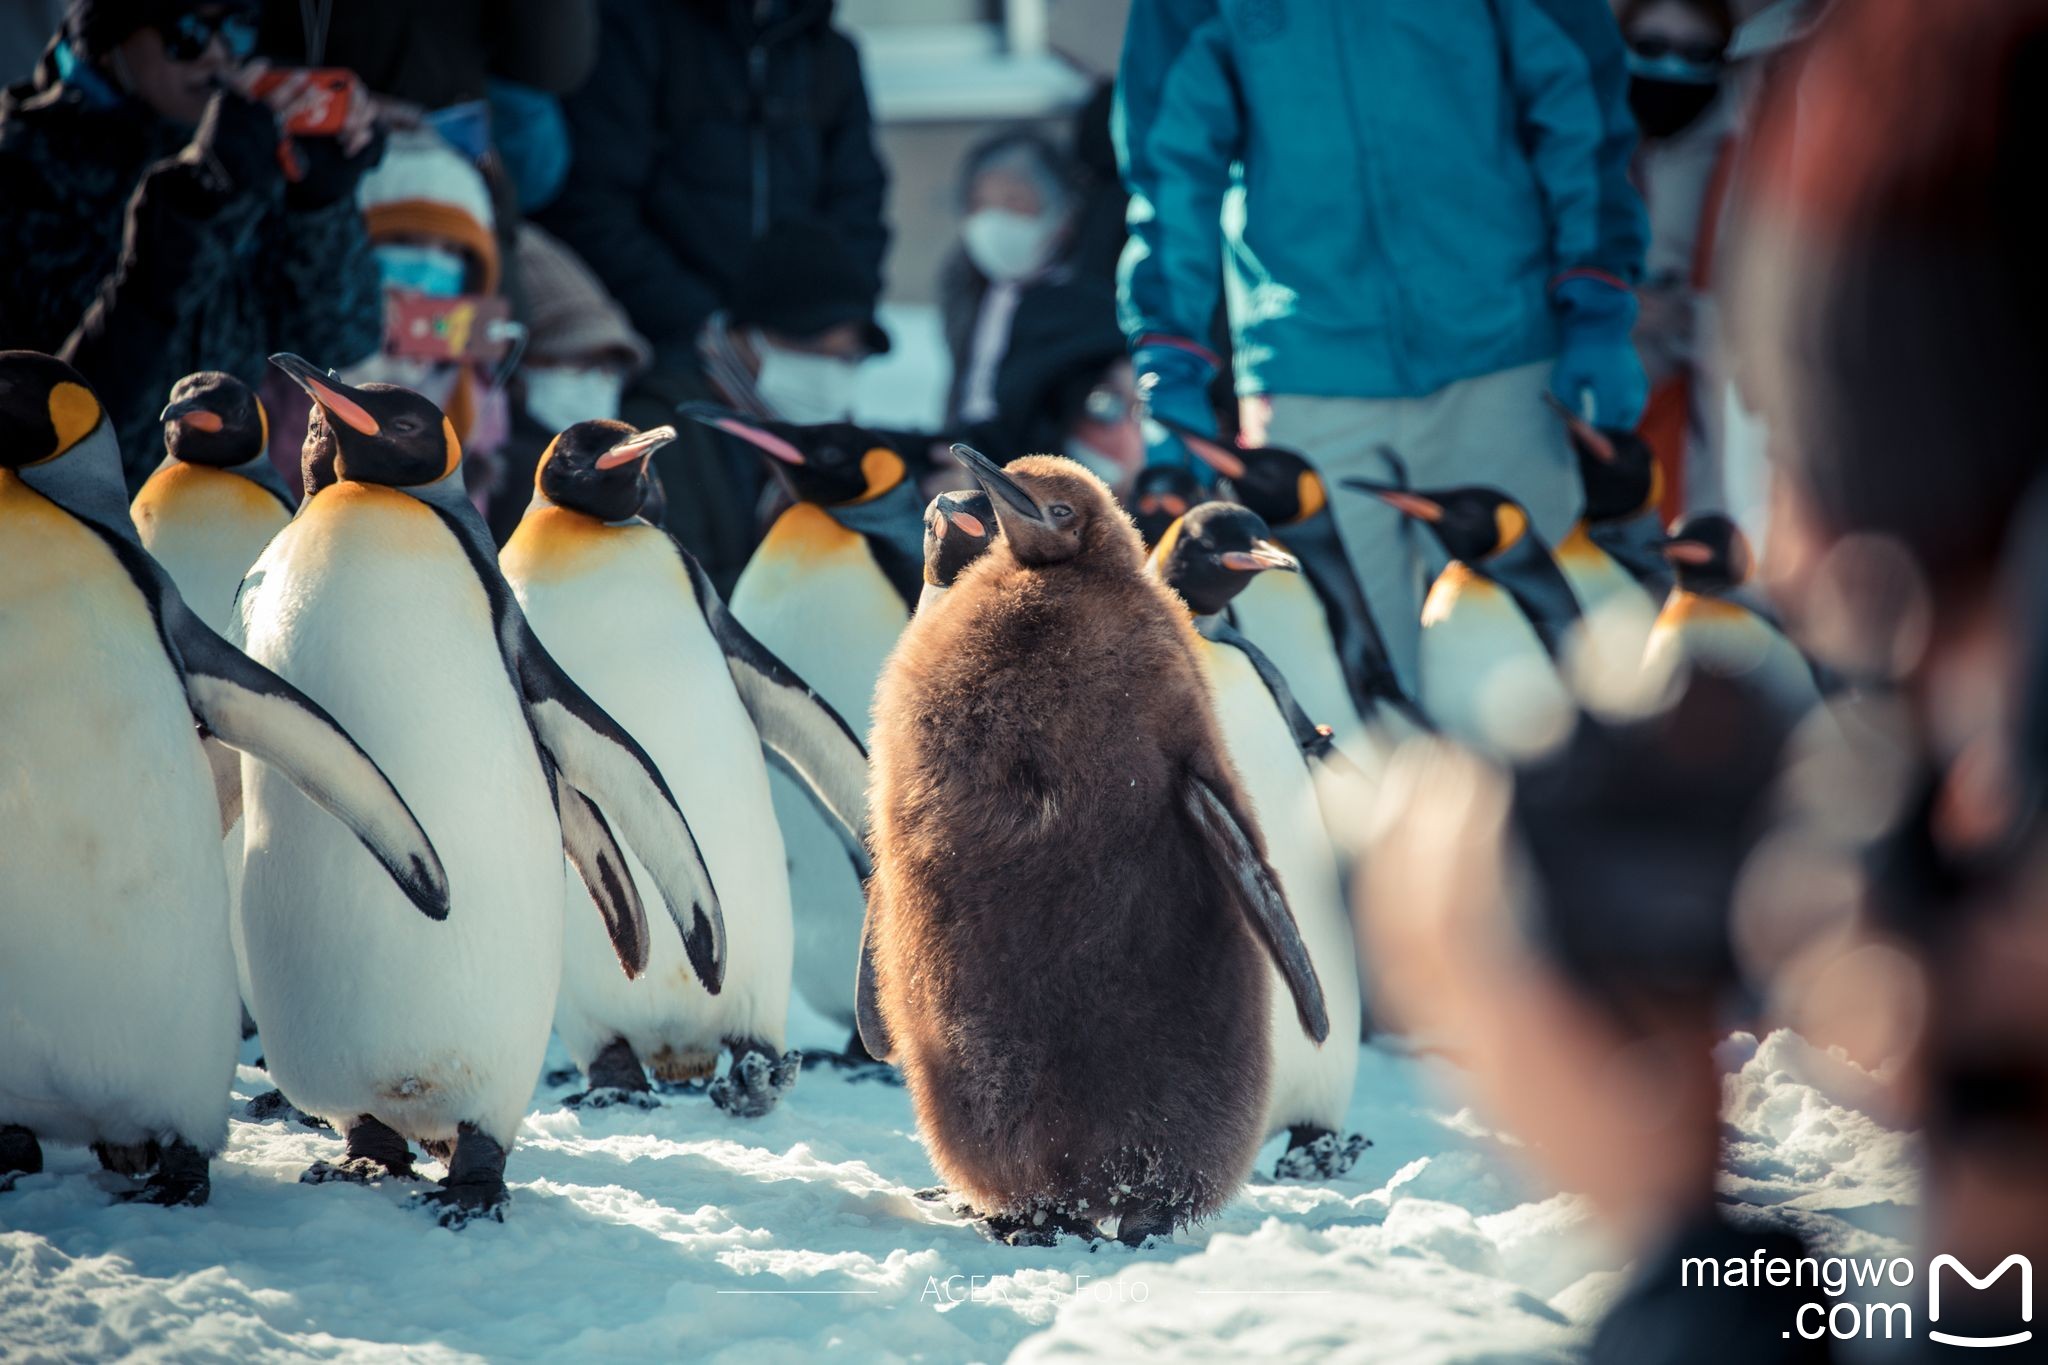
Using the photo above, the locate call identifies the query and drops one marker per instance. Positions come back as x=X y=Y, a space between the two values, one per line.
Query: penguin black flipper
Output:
x=1315 y=741
x=1240 y=868
x=867 y=1009
x=247 y=707
x=800 y=732
x=598 y=860
x=591 y=751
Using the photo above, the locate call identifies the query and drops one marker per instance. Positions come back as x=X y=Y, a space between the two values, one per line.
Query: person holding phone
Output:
x=172 y=206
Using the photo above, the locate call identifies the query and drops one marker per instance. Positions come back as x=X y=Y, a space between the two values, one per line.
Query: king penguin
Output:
x=115 y=961
x=1208 y=559
x=828 y=591
x=1316 y=626
x=1496 y=624
x=384 y=596
x=706 y=699
x=1072 y=911
x=958 y=529
x=1610 y=557
x=205 y=514
x=1706 y=623
x=1161 y=495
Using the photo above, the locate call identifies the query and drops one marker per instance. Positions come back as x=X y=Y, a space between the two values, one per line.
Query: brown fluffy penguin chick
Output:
x=1070 y=897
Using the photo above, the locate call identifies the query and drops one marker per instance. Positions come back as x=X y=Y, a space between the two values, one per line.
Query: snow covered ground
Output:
x=682 y=1233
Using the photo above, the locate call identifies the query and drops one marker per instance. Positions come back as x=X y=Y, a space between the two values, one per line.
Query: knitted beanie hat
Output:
x=425 y=188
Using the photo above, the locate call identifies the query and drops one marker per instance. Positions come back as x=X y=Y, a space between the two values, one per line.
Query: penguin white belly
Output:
x=1733 y=641
x=1281 y=614
x=206 y=527
x=814 y=595
x=369 y=605
x=1618 y=613
x=1311 y=1084
x=615 y=607
x=116 y=980
x=1485 y=678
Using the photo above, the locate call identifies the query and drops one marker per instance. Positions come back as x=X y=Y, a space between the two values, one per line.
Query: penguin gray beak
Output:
x=190 y=415
x=732 y=424
x=335 y=398
x=1263 y=555
x=636 y=447
x=1409 y=504
x=998 y=484
x=1208 y=449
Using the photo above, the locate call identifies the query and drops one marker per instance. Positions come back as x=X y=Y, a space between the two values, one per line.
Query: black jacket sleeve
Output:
x=612 y=124
x=855 y=185
x=548 y=44
x=326 y=298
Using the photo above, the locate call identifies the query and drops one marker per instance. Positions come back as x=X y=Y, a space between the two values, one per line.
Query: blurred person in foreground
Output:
x=1565 y=934
x=1411 y=258
x=1890 y=291
x=152 y=227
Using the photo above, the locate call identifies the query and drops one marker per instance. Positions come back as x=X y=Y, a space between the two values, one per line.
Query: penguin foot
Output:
x=757 y=1080
x=359 y=1170
x=272 y=1104
x=609 y=1096
x=1040 y=1229
x=375 y=1150
x=1318 y=1154
x=1134 y=1226
x=617 y=1067
x=474 y=1188
x=128 y=1158
x=20 y=1154
x=561 y=1075
x=183 y=1179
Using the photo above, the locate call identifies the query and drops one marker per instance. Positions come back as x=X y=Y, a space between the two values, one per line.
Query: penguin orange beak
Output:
x=1409 y=504
x=1583 y=432
x=637 y=447
x=998 y=484
x=1688 y=552
x=966 y=521
x=192 y=417
x=335 y=398
x=1207 y=449
x=731 y=423
x=1263 y=555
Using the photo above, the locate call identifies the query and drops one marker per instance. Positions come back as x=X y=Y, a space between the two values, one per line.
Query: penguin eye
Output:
x=406 y=424
x=1060 y=511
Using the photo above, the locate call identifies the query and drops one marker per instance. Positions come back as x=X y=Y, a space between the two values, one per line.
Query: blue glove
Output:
x=1175 y=383
x=1597 y=316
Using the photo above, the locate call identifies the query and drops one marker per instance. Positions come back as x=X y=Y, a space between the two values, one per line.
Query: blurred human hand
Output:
x=1174 y=382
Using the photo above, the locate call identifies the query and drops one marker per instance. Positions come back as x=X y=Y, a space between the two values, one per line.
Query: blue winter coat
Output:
x=1393 y=184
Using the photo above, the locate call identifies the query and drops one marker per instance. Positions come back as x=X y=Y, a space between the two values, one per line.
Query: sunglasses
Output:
x=1703 y=54
x=188 y=37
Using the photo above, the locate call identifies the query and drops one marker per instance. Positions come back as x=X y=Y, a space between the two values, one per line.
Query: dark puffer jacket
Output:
x=700 y=126
x=119 y=275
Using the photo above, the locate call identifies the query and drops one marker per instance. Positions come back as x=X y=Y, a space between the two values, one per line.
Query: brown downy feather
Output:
x=1077 y=1003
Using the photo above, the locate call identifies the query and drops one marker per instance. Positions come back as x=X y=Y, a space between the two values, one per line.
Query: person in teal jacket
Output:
x=1420 y=217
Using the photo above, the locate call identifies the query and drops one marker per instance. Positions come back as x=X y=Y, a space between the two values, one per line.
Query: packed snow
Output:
x=679 y=1231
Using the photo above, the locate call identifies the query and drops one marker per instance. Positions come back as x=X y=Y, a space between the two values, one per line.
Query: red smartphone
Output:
x=472 y=327
x=322 y=105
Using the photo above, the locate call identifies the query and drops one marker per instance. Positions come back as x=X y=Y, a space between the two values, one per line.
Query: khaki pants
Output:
x=1491 y=430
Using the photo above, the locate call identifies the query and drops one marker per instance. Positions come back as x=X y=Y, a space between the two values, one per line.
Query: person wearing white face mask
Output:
x=1016 y=229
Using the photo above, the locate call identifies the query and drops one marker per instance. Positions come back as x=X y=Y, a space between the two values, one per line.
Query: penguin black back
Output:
x=215 y=419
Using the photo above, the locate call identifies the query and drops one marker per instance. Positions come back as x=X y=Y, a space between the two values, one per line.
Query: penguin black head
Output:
x=1277 y=483
x=1472 y=524
x=830 y=464
x=1162 y=495
x=1620 y=473
x=374 y=433
x=958 y=529
x=599 y=468
x=1710 y=553
x=1052 y=510
x=1210 y=554
x=214 y=419
x=46 y=409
